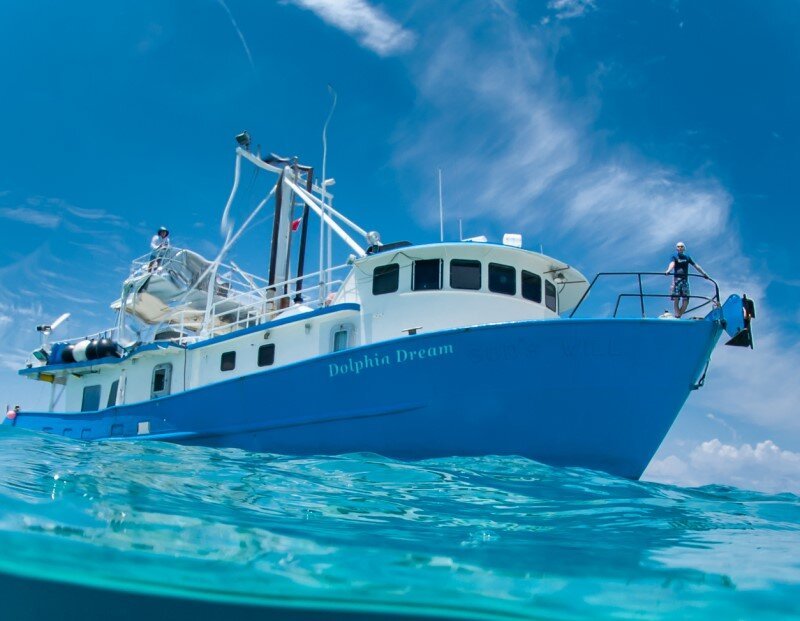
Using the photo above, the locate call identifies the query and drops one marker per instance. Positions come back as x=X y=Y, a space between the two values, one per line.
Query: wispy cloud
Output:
x=369 y=25
x=567 y=9
x=765 y=467
x=239 y=33
x=534 y=160
x=643 y=201
x=758 y=386
x=31 y=216
x=52 y=212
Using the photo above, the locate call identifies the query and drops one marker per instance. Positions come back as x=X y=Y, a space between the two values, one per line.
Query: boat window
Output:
x=427 y=275
x=465 y=274
x=550 y=295
x=91 y=398
x=266 y=355
x=162 y=380
x=341 y=339
x=502 y=279
x=112 y=394
x=227 y=362
x=385 y=279
x=531 y=286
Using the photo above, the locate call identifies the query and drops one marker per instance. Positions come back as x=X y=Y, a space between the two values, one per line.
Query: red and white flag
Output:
x=296 y=224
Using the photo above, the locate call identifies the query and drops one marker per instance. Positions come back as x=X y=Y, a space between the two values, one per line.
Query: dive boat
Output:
x=409 y=351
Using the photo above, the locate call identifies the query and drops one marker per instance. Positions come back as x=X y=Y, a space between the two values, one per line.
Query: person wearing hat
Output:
x=158 y=244
x=680 y=263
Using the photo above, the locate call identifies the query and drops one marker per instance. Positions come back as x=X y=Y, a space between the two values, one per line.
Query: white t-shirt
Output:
x=159 y=242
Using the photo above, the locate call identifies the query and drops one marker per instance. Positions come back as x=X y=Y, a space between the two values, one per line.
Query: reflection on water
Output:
x=495 y=537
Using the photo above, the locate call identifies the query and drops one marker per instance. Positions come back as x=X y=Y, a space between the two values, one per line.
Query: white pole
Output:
x=315 y=206
x=322 y=279
x=52 y=405
x=330 y=246
x=460 y=231
x=441 y=209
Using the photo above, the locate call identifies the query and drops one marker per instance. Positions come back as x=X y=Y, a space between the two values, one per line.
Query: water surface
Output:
x=470 y=538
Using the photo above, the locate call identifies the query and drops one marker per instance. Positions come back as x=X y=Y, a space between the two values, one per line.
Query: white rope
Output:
x=223 y=226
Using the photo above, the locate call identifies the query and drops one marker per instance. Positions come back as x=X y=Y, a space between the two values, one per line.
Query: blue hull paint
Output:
x=599 y=394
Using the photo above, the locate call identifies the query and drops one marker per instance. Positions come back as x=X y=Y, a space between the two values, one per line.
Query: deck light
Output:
x=243 y=140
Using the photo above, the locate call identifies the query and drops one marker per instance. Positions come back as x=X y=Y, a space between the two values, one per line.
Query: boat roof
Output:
x=571 y=283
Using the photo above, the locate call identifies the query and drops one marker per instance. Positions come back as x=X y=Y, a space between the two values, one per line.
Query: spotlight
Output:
x=243 y=140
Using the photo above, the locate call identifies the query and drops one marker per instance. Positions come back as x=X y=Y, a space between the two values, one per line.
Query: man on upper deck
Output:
x=158 y=244
x=680 y=263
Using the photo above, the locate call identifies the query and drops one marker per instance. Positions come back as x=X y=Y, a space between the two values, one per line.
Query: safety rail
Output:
x=108 y=333
x=254 y=307
x=713 y=300
x=229 y=278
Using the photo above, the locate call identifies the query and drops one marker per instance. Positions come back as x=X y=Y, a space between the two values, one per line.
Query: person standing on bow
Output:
x=679 y=266
x=158 y=245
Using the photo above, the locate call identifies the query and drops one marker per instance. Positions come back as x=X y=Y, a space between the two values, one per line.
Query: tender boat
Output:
x=410 y=351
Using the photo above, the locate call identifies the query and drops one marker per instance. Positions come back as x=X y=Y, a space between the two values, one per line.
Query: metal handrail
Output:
x=254 y=306
x=165 y=258
x=642 y=295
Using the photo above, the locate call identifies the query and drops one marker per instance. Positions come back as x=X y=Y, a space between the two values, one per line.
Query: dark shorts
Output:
x=680 y=289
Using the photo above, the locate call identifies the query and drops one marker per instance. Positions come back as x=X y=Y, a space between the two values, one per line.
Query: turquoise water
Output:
x=482 y=538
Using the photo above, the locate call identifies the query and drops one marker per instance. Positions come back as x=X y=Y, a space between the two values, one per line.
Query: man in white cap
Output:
x=680 y=263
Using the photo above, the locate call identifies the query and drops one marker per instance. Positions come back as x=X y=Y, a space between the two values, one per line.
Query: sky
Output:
x=602 y=131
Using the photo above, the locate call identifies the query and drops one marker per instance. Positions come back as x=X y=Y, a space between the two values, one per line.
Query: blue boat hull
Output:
x=599 y=393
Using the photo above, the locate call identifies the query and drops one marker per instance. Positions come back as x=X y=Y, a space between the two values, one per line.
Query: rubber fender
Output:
x=68 y=354
x=79 y=351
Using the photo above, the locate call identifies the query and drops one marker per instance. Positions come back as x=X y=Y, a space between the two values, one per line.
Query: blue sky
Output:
x=604 y=131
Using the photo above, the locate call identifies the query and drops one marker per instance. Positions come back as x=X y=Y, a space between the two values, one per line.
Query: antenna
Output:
x=441 y=209
x=460 y=231
x=322 y=278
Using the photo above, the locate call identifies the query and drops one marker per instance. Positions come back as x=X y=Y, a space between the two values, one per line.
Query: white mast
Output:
x=441 y=209
x=322 y=275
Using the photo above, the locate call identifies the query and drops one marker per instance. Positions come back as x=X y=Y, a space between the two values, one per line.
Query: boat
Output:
x=452 y=348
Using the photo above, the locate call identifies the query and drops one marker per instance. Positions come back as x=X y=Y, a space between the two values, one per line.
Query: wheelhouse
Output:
x=451 y=285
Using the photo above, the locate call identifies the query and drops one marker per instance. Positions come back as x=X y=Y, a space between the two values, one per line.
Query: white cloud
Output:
x=646 y=203
x=531 y=158
x=51 y=213
x=567 y=9
x=91 y=214
x=31 y=216
x=759 y=385
x=765 y=467
x=369 y=25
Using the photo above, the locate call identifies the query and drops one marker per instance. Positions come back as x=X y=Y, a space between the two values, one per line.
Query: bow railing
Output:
x=698 y=301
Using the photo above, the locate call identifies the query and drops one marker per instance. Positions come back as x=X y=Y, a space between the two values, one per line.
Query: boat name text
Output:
x=357 y=364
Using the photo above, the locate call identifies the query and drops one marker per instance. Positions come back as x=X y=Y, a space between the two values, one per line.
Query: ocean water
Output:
x=117 y=530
